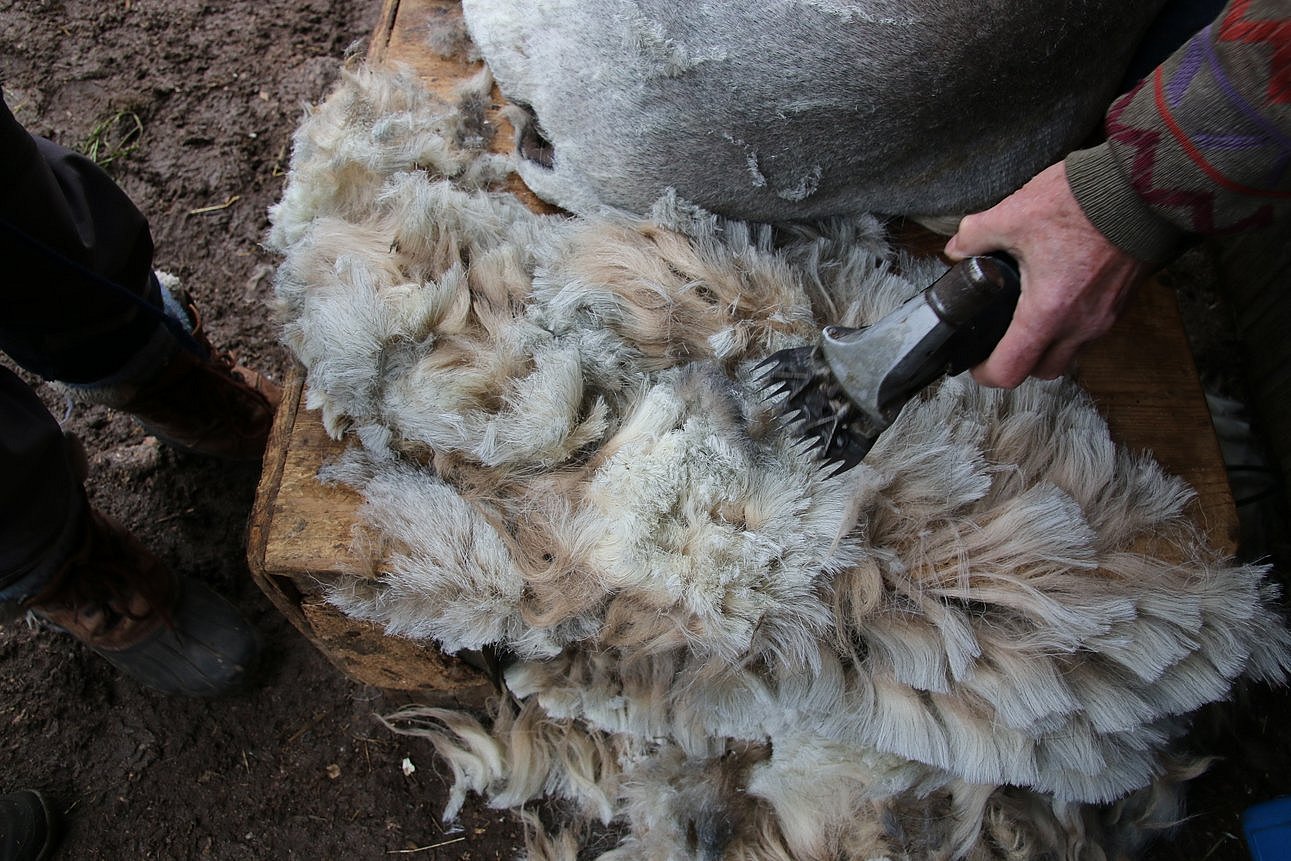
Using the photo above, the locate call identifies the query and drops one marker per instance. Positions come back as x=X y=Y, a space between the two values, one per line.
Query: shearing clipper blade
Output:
x=840 y=394
x=815 y=406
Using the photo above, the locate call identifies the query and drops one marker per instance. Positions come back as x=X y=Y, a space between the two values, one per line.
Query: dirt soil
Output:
x=193 y=104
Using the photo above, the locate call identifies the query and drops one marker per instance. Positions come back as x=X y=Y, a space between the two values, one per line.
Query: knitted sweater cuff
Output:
x=1111 y=205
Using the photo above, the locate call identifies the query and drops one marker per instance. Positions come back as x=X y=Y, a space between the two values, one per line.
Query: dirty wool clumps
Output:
x=980 y=643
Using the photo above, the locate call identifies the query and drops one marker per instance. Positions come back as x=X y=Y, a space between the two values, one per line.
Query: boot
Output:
x=27 y=827
x=166 y=631
x=206 y=405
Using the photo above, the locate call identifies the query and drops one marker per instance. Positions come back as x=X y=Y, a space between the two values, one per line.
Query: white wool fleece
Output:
x=999 y=620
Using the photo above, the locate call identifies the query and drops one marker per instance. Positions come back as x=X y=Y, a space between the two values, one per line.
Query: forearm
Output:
x=1203 y=145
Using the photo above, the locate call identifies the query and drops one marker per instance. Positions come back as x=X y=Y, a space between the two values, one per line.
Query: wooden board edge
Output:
x=1216 y=512
x=380 y=42
x=271 y=471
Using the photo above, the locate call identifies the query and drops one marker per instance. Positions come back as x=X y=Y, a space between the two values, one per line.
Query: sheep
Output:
x=801 y=109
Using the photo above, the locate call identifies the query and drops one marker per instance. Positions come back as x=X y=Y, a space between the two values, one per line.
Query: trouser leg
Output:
x=86 y=575
x=80 y=298
x=83 y=306
x=42 y=501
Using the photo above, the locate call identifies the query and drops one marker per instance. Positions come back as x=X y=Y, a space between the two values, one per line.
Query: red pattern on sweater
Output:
x=1237 y=28
x=1143 y=142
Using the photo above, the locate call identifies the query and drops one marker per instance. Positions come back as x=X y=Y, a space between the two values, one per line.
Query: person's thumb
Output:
x=971 y=239
x=953 y=249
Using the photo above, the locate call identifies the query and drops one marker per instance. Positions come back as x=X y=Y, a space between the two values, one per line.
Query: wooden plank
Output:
x=299 y=539
x=1144 y=380
x=300 y=524
x=365 y=653
x=1141 y=375
x=379 y=45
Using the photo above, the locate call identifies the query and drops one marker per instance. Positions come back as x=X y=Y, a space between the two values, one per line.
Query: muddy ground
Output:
x=191 y=105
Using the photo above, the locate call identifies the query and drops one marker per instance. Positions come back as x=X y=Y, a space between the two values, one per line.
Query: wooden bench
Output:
x=1141 y=375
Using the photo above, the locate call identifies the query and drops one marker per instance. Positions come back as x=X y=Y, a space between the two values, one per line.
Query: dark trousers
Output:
x=80 y=301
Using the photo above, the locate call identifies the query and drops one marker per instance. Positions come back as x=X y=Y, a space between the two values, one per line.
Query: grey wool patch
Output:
x=988 y=634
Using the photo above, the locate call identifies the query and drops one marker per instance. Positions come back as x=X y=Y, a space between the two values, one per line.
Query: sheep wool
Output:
x=980 y=643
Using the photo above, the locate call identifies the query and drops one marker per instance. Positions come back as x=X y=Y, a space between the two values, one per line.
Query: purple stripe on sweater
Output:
x=1230 y=142
x=1239 y=103
x=1189 y=66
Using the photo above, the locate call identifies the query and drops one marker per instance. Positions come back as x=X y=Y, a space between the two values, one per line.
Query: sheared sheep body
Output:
x=797 y=109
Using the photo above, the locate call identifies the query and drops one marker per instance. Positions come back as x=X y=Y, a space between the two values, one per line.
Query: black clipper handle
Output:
x=976 y=297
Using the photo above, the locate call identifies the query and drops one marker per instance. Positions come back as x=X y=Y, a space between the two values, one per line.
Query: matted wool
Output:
x=980 y=643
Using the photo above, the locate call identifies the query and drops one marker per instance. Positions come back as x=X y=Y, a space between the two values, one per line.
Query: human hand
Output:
x=1074 y=281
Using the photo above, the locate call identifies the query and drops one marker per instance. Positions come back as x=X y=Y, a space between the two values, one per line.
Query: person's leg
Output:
x=42 y=502
x=80 y=299
x=84 y=307
x=86 y=575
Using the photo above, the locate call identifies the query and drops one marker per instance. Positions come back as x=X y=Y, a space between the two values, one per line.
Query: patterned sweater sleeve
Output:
x=1202 y=146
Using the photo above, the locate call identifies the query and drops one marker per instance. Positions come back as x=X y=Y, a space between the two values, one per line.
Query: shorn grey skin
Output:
x=802 y=109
